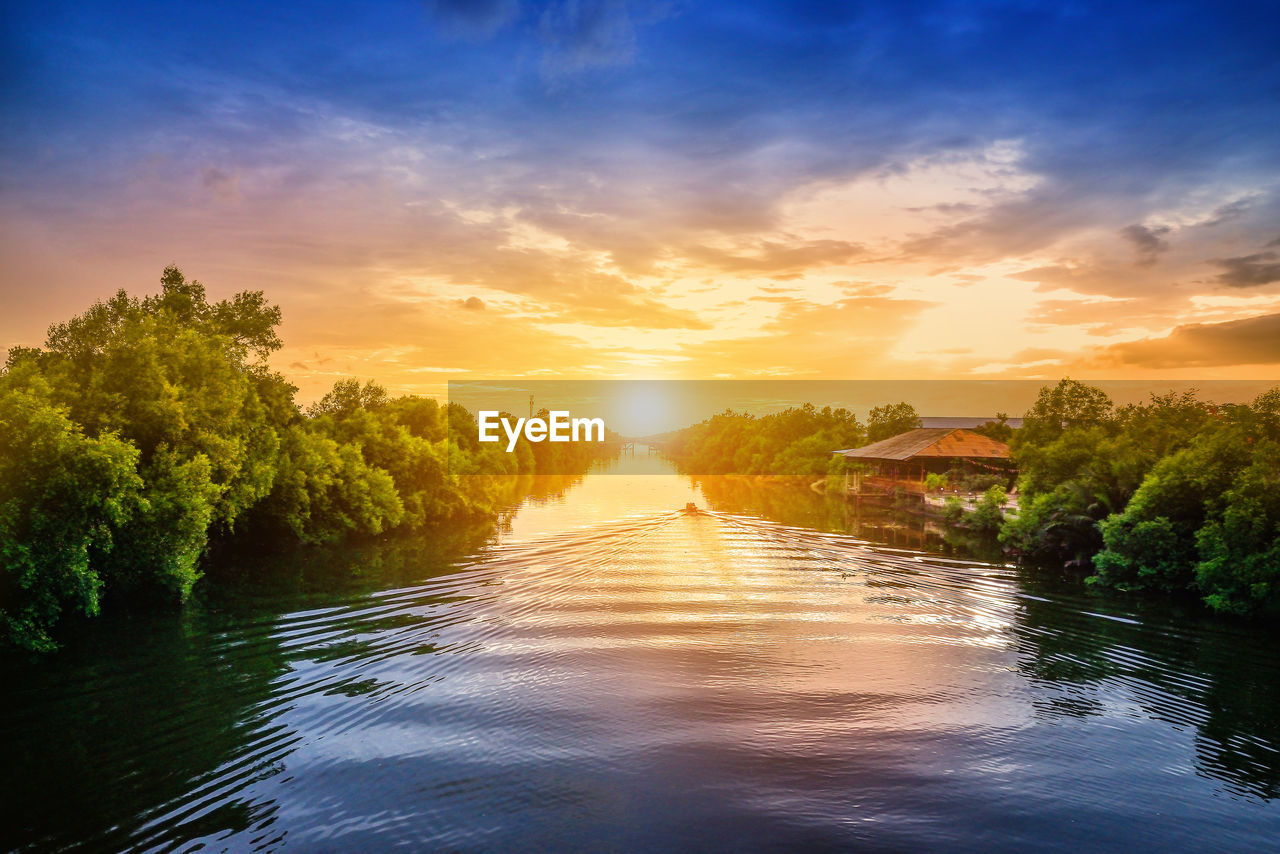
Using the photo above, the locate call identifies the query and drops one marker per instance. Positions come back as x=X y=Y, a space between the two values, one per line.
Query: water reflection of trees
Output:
x=1177 y=665
x=151 y=729
x=127 y=717
x=790 y=501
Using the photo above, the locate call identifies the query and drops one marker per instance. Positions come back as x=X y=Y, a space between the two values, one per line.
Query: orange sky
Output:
x=463 y=202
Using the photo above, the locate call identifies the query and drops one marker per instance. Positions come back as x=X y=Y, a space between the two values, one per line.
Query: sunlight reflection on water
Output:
x=612 y=673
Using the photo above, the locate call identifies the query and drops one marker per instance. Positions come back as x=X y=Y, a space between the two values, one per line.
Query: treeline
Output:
x=147 y=428
x=796 y=441
x=1177 y=494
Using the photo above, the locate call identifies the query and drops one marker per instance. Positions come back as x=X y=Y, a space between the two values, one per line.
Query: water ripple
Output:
x=654 y=682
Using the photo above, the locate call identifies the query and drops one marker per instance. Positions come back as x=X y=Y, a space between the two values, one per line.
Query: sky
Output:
x=499 y=188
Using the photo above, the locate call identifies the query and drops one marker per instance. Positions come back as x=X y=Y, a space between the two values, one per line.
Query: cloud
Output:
x=472 y=304
x=1251 y=341
x=582 y=34
x=1248 y=271
x=776 y=258
x=472 y=17
x=625 y=311
x=844 y=339
x=393 y=340
x=1099 y=317
x=1228 y=213
x=1102 y=278
x=1148 y=242
x=411 y=156
x=224 y=185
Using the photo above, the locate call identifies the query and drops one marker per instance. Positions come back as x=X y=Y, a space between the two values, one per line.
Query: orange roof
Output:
x=932 y=442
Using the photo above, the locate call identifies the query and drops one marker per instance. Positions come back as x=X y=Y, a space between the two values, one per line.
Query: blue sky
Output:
x=663 y=189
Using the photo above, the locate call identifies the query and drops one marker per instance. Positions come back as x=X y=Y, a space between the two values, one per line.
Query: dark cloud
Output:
x=472 y=17
x=224 y=185
x=350 y=132
x=582 y=34
x=1147 y=242
x=1248 y=271
x=1252 y=341
x=1228 y=213
x=472 y=304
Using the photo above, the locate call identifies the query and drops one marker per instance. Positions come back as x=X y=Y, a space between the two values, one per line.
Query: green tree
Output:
x=1061 y=407
x=1239 y=545
x=796 y=441
x=348 y=397
x=890 y=420
x=1151 y=543
x=62 y=494
x=998 y=429
x=325 y=491
x=146 y=428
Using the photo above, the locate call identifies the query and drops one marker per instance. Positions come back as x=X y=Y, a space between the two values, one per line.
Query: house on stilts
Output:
x=901 y=463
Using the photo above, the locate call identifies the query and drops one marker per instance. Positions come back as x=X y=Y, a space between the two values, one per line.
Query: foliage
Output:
x=1173 y=495
x=1239 y=545
x=61 y=496
x=325 y=491
x=348 y=397
x=147 y=428
x=1064 y=406
x=986 y=516
x=998 y=429
x=795 y=441
x=988 y=513
x=934 y=482
x=953 y=510
x=978 y=481
x=1080 y=461
x=891 y=419
x=1152 y=541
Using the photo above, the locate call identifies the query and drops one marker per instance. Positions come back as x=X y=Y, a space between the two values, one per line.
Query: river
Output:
x=605 y=673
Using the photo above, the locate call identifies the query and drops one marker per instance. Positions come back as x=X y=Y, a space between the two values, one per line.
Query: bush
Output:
x=988 y=514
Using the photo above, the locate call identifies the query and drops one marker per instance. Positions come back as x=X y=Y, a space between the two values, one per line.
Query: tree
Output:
x=1239 y=545
x=62 y=495
x=1068 y=404
x=147 y=428
x=182 y=384
x=1151 y=543
x=890 y=420
x=796 y=441
x=325 y=491
x=998 y=429
x=173 y=371
x=348 y=397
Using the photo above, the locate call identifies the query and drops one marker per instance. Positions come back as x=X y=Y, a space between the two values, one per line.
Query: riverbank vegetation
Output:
x=796 y=441
x=148 y=428
x=1177 y=495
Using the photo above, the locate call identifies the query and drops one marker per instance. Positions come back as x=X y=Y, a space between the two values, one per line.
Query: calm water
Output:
x=609 y=675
